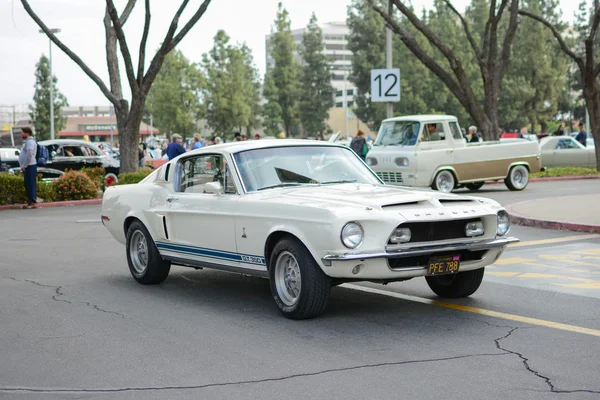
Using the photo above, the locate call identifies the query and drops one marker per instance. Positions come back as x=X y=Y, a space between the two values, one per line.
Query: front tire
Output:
x=518 y=178
x=456 y=286
x=145 y=263
x=298 y=285
x=444 y=181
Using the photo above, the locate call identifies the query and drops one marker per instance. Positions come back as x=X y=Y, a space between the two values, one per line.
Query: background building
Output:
x=340 y=58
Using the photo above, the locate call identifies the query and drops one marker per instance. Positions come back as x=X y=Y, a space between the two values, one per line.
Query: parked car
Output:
x=429 y=151
x=66 y=154
x=9 y=157
x=307 y=215
x=46 y=174
x=565 y=151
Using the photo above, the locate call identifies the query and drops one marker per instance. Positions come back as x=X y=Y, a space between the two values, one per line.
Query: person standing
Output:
x=359 y=145
x=197 y=142
x=175 y=148
x=28 y=164
x=582 y=135
x=474 y=138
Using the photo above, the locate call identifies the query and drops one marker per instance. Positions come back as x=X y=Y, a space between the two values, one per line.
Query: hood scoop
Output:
x=456 y=202
x=408 y=203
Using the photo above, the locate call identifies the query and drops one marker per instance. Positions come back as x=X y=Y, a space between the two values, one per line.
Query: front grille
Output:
x=390 y=177
x=423 y=261
x=437 y=230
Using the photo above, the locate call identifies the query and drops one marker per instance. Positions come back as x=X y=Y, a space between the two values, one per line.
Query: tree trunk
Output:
x=491 y=110
x=130 y=139
x=593 y=103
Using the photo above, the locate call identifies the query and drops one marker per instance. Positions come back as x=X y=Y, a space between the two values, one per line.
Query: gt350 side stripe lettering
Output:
x=212 y=253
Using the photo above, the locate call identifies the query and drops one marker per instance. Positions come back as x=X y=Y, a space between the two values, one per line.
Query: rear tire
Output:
x=456 y=286
x=145 y=263
x=474 y=185
x=298 y=285
x=518 y=178
x=444 y=181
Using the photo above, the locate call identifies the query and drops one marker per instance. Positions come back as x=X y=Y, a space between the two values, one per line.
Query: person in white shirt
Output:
x=28 y=164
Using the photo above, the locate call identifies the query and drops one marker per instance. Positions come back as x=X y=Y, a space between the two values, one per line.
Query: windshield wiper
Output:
x=338 y=181
x=283 y=184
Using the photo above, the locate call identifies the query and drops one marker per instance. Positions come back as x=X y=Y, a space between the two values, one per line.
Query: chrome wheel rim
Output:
x=138 y=252
x=287 y=278
x=445 y=182
x=520 y=177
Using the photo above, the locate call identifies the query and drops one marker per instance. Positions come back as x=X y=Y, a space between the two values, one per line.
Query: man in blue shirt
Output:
x=175 y=148
x=582 y=135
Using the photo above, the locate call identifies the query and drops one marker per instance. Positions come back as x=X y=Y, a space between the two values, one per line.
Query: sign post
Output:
x=388 y=60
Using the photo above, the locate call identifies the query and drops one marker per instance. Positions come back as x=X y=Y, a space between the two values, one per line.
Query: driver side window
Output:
x=566 y=144
x=195 y=172
x=433 y=132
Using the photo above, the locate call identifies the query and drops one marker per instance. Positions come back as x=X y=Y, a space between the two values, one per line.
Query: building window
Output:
x=350 y=103
x=339 y=104
x=335 y=47
x=335 y=77
x=338 y=93
x=350 y=92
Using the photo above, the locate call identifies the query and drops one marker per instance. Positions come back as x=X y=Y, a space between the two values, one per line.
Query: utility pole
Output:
x=54 y=31
x=388 y=58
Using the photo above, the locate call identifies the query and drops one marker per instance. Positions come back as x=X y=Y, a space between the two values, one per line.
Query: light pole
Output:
x=54 y=31
x=388 y=57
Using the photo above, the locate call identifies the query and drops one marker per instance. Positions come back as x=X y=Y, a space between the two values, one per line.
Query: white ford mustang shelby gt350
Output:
x=307 y=216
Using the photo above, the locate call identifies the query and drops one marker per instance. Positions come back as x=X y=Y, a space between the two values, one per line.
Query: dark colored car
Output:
x=66 y=154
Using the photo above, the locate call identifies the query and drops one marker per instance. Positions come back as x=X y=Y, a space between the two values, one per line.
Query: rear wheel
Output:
x=145 y=263
x=474 y=185
x=444 y=181
x=456 y=286
x=298 y=285
x=518 y=178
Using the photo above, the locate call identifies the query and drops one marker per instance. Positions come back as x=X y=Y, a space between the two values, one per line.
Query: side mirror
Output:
x=214 y=188
x=52 y=154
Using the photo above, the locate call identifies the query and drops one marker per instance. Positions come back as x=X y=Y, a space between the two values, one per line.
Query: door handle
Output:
x=171 y=199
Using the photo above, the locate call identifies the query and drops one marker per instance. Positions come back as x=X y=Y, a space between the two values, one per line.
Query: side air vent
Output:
x=165 y=227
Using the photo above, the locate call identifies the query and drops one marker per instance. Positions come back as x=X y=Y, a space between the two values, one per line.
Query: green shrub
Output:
x=12 y=189
x=45 y=191
x=74 y=185
x=565 y=171
x=134 y=177
x=96 y=174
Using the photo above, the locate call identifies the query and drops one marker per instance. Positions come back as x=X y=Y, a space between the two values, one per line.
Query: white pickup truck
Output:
x=430 y=151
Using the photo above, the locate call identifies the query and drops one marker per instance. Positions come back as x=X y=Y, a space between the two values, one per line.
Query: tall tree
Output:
x=174 y=100
x=285 y=70
x=316 y=92
x=586 y=58
x=271 y=110
x=129 y=114
x=492 y=56
x=231 y=92
x=40 y=110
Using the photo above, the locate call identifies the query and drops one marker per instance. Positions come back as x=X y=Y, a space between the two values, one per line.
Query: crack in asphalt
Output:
x=537 y=374
x=58 y=293
x=245 y=382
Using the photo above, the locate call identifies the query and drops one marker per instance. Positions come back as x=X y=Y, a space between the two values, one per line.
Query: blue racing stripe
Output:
x=211 y=253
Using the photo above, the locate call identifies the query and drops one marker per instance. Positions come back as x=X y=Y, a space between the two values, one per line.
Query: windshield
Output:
x=263 y=169
x=398 y=133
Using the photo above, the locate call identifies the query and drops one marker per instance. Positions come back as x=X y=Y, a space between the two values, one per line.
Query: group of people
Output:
x=178 y=146
x=581 y=136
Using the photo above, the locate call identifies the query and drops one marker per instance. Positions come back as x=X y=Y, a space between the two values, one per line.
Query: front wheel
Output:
x=298 y=285
x=145 y=263
x=444 y=181
x=456 y=286
x=518 y=178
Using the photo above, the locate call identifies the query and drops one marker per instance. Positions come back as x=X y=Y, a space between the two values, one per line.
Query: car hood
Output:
x=365 y=195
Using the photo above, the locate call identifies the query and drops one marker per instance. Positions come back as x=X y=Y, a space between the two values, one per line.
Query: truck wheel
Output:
x=444 y=181
x=474 y=185
x=518 y=178
x=456 y=286
x=145 y=263
x=298 y=285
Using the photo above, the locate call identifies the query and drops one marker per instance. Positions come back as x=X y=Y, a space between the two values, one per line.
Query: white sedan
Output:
x=307 y=215
x=565 y=151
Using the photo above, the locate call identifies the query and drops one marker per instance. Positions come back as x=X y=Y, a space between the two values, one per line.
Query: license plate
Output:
x=443 y=265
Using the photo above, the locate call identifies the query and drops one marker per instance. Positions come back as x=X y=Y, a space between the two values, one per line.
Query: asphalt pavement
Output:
x=74 y=324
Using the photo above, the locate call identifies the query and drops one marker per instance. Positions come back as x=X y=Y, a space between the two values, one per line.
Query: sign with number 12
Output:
x=385 y=85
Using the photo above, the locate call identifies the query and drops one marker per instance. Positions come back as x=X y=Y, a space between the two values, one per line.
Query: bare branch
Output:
x=594 y=29
x=142 y=56
x=500 y=11
x=112 y=11
x=508 y=39
x=127 y=12
x=466 y=29
x=557 y=35
x=409 y=40
x=113 y=99
x=187 y=27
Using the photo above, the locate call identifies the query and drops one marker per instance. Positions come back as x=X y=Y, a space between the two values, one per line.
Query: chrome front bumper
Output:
x=422 y=250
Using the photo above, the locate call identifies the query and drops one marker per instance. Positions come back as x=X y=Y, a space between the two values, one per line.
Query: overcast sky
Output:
x=80 y=21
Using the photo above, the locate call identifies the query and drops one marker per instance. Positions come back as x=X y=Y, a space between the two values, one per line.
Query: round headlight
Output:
x=503 y=223
x=401 y=161
x=371 y=161
x=352 y=235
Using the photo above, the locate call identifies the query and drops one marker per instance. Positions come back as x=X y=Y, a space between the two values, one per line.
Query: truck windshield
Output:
x=398 y=133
